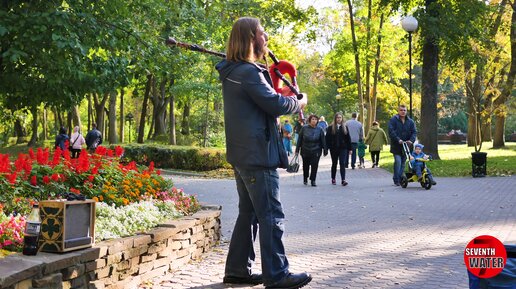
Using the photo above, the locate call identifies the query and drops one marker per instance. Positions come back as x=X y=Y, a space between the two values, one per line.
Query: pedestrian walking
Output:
x=339 y=144
x=311 y=144
x=322 y=124
x=297 y=128
x=356 y=133
x=62 y=139
x=93 y=138
x=376 y=139
x=401 y=129
x=287 y=136
x=361 y=154
x=76 y=142
x=255 y=150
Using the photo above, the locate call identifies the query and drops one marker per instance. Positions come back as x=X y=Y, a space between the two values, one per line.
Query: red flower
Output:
x=75 y=191
x=34 y=181
x=55 y=177
x=119 y=151
x=158 y=172
x=12 y=178
x=109 y=153
x=46 y=179
x=101 y=150
x=151 y=166
x=91 y=178
x=5 y=165
x=31 y=153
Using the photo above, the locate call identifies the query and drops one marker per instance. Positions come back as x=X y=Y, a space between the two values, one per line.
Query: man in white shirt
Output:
x=356 y=133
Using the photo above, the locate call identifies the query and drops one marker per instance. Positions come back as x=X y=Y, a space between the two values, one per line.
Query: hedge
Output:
x=177 y=157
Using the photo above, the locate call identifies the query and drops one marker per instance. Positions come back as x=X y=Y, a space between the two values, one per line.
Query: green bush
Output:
x=177 y=157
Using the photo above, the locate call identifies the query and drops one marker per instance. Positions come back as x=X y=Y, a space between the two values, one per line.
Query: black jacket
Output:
x=339 y=140
x=93 y=139
x=401 y=131
x=311 y=141
x=251 y=107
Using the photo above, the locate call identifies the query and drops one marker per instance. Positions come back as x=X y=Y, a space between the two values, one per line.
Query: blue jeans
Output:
x=354 y=146
x=399 y=167
x=259 y=204
x=288 y=145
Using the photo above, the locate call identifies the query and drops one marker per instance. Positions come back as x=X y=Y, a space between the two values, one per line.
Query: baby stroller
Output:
x=410 y=175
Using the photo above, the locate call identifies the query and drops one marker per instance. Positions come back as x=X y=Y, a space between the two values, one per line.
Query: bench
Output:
x=443 y=138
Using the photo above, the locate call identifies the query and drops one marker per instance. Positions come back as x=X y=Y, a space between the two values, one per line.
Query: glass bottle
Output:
x=32 y=230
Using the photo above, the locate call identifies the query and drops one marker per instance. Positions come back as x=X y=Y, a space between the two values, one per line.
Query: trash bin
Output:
x=505 y=280
x=479 y=164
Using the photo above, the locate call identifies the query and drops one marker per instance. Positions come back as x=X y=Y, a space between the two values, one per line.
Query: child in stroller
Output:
x=418 y=171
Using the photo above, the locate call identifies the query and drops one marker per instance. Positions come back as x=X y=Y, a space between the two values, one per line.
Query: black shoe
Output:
x=433 y=183
x=313 y=184
x=305 y=182
x=397 y=184
x=420 y=179
x=254 y=279
x=344 y=183
x=291 y=281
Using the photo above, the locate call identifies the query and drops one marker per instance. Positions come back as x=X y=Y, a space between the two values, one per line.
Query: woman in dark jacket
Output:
x=339 y=143
x=312 y=143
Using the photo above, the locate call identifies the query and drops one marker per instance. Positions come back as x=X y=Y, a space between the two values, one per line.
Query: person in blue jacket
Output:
x=401 y=129
x=255 y=150
x=417 y=166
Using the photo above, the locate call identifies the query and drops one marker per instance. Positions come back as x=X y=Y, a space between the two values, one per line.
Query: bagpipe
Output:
x=277 y=70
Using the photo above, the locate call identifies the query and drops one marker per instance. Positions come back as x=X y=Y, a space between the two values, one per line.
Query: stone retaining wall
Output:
x=119 y=263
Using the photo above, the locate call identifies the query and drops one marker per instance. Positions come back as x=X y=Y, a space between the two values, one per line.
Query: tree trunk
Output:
x=76 y=117
x=99 y=108
x=112 y=136
x=376 y=68
x=34 y=138
x=160 y=103
x=500 y=102
x=45 y=124
x=367 y=96
x=122 y=116
x=90 y=112
x=357 y=64
x=185 y=122
x=141 y=128
x=19 y=130
x=428 y=135
x=172 y=119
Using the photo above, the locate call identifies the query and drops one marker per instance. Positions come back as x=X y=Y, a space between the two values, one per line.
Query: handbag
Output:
x=293 y=165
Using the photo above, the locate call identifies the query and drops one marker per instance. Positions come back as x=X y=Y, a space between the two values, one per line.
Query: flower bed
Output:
x=138 y=196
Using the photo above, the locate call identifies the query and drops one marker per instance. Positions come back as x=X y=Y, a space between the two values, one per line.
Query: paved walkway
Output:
x=369 y=234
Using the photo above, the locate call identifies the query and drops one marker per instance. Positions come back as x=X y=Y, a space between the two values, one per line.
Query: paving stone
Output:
x=369 y=234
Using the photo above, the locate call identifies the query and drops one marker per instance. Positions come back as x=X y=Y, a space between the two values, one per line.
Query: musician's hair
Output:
x=240 y=45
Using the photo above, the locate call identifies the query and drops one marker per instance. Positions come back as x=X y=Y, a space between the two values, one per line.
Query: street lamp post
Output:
x=409 y=24
x=338 y=97
x=129 y=117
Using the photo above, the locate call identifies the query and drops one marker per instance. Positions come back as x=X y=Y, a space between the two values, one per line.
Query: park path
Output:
x=369 y=234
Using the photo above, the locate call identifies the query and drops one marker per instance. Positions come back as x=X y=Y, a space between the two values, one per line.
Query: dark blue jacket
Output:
x=401 y=131
x=60 y=141
x=251 y=107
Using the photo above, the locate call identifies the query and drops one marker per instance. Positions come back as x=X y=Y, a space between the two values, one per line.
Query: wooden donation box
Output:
x=66 y=225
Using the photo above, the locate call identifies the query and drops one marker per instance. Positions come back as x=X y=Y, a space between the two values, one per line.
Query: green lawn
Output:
x=456 y=160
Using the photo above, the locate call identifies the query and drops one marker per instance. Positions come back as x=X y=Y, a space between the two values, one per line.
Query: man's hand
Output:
x=411 y=158
x=400 y=141
x=409 y=143
x=303 y=101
